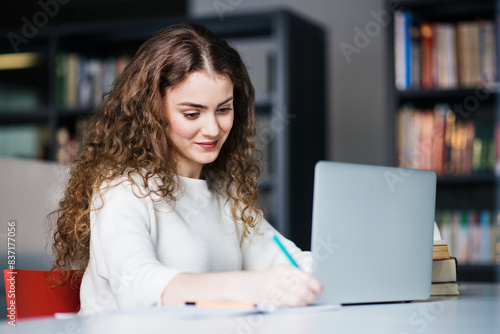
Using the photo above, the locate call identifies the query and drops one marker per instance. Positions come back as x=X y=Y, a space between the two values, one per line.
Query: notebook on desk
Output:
x=372 y=232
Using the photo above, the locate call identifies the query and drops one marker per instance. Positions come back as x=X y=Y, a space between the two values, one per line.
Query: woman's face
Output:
x=200 y=116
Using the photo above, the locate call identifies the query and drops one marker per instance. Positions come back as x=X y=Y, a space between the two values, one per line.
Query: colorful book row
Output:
x=437 y=55
x=438 y=139
x=473 y=237
x=81 y=82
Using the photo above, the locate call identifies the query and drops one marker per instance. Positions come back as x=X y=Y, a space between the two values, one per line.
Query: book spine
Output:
x=485 y=227
x=427 y=42
x=399 y=49
x=407 y=49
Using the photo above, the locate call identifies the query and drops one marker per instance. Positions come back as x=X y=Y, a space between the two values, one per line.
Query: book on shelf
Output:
x=401 y=49
x=427 y=33
x=416 y=57
x=487 y=51
x=443 y=55
x=438 y=139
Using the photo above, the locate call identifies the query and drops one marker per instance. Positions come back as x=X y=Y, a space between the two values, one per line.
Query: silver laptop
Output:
x=372 y=232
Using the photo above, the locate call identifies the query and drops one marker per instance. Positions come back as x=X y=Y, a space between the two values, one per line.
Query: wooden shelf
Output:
x=449 y=10
x=442 y=94
x=473 y=179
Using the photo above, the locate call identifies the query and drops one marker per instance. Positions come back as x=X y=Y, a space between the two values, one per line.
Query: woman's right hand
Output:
x=283 y=285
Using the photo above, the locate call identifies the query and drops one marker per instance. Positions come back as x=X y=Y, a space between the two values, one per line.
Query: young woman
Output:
x=161 y=206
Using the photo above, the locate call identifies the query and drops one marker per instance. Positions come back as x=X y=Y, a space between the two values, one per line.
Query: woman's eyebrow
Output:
x=191 y=104
x=225 y=101
x=201 y=106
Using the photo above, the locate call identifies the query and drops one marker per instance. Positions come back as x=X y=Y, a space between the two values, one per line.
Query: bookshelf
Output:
x=290 y=104
x=443 y=58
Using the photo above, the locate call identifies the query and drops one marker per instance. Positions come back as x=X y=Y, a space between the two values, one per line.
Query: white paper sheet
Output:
x=183 y=311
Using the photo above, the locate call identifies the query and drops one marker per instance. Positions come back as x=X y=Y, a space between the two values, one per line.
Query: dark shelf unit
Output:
x=39 y=116
x=440 y=94
x=476 y=191
x=478 y=273
x=480 y=178
x=297 y=95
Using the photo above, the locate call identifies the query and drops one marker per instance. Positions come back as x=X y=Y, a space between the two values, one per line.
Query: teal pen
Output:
x=280 y=245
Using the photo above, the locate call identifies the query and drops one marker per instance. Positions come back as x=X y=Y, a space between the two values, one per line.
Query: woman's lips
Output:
x=208 y=145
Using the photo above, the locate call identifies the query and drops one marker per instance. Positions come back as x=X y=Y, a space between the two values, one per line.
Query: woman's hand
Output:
x=281 y=285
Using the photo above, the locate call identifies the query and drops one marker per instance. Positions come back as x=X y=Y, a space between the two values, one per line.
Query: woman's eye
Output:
x=224 y=110
x=191 y=115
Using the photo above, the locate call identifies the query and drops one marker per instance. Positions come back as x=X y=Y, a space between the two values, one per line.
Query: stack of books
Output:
x=444 y=271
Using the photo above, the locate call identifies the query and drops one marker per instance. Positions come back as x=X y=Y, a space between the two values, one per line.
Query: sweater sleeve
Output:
x=260 y=252
x=124 y=248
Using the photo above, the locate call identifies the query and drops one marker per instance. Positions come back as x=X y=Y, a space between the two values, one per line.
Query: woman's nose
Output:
x=211 y=127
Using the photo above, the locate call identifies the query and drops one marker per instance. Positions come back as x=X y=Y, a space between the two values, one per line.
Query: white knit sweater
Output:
x=139 y=244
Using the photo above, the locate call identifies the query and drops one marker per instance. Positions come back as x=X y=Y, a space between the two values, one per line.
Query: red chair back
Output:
x=29 y=294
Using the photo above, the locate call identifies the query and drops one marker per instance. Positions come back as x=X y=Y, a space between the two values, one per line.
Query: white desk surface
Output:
x=477 y=310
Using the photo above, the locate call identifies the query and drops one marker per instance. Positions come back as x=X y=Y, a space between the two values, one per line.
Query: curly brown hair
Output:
x=129 y=135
